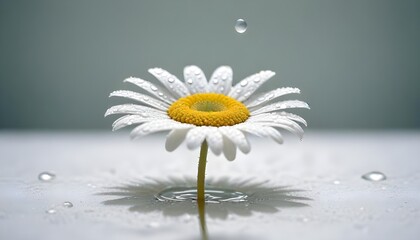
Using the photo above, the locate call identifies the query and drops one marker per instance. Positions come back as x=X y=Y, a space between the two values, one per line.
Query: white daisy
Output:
x=212 y=113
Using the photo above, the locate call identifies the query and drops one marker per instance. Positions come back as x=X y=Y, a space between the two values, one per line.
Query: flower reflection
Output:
x=141 y=197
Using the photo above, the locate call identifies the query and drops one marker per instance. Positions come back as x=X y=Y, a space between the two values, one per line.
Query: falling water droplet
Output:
x=374 y=176
x=46 y=176
x=68 y=204
x=51 y=211
x=240 y=25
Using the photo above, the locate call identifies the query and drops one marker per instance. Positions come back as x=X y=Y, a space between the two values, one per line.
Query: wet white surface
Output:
x=111 y=183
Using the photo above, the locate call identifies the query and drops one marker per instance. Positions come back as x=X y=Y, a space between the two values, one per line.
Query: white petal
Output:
x=171 y=82
x=129 y=120
x=276 y=118
x=237 y=137
x=156 y=91
x=133 y=109
x=175 y=138
x=280 y=106
x=156 y=126
x=221 y=80
x=268 y=96
x=195 y=137
x=293 y=117
x=214 y=140
x=293 y=129
x=260 y=130
x=229 y=149
x=195 y=80
x=245 y=88
x=140 y=98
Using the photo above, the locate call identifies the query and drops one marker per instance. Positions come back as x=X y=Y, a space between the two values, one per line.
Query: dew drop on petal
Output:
x=224 y=76
x=244 y=83
x=374 y=176
x=189 y=81
x=153 y=88
x=240 y=25
x=46 y=176
x=171 y=80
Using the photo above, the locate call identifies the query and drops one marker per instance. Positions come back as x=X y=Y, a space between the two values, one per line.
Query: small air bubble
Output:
x=46 y=176
x=68 y=204
x=374 y=176
x=51 y=211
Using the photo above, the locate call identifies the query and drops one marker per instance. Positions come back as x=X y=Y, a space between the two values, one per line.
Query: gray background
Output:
x=356 y=62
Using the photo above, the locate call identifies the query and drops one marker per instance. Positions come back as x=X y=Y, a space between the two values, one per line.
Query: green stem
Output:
x=202 y=171
x=201 y=180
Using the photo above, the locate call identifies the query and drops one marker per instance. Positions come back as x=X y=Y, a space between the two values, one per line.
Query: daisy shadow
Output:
x=261 y=197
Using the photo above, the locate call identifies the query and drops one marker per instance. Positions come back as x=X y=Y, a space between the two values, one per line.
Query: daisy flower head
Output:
x=208 y=113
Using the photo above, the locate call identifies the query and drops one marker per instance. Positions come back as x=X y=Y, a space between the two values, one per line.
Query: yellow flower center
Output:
x=208 y=109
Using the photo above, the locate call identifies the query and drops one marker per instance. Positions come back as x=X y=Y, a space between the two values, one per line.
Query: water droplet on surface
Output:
x=374 y=176
x=336 y=182
x=244 y=83
x=68 y=204
x=46 y=176
x=212 y=195
x=153 y=88
x=51 y=211
x=171 y=80
x=189 y=81
x=240 y=25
